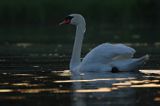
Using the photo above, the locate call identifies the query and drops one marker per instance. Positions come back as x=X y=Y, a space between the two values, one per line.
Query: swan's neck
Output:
x=76 y=53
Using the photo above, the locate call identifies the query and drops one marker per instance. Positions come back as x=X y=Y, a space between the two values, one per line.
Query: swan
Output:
x=105 y=57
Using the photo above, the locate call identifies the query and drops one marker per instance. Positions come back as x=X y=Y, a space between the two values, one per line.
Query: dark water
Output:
x=37 y=75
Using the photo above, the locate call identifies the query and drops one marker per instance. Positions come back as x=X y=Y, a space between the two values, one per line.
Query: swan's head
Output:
x=74 y=19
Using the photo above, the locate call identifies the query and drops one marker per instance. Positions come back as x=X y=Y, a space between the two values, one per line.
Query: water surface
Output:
x=32 y=76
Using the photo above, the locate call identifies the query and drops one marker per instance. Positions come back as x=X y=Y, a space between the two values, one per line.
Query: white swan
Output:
x=105 y=57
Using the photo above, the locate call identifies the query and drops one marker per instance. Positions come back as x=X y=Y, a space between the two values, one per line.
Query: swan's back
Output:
x=106 y=52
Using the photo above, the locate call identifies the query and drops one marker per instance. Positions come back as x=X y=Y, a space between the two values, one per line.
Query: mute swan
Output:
x=105 y=57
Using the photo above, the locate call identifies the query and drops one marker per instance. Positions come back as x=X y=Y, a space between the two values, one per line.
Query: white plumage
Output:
x=105 y=57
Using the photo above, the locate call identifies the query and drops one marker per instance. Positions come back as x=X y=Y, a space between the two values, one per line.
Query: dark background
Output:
x=36 y=21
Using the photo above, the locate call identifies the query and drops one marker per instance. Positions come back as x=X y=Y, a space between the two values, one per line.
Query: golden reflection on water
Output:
x=38 y=90
x=6 y=83
x=157 y=99
x=6 y=90
x=51 y=90
x=139 y=83
x=93 y=90
x=56 y=90
x=65 y=73
x=12 y=98
x=93 y=80
x=41 y=77
x=24 y=75
x=27 y=84
x=146 y=86
x=150 y=71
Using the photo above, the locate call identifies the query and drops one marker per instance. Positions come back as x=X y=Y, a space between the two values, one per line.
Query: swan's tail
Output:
x=143 y=59
x=131 y=64
x=139 y=62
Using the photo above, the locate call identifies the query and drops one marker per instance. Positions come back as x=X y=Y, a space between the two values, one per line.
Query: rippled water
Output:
x=34 y=77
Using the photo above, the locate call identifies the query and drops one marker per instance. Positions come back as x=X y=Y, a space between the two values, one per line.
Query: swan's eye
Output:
x=66 y=20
